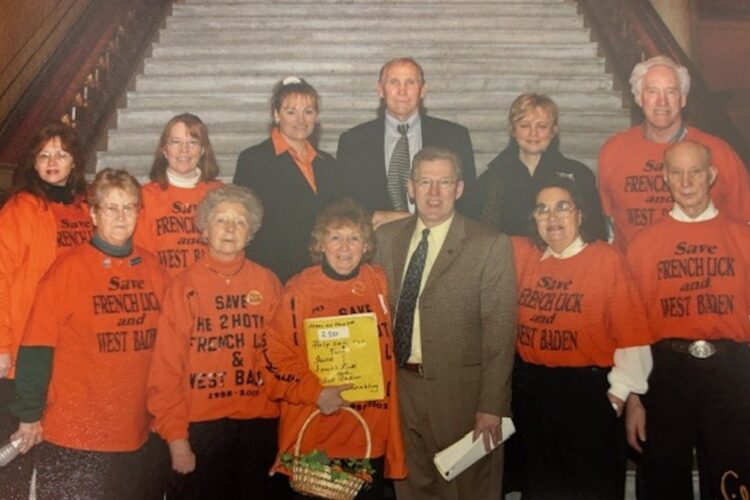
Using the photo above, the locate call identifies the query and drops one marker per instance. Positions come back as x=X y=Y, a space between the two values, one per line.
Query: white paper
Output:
x=462 y=454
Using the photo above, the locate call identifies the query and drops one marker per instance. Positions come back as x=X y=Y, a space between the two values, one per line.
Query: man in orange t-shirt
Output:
x=692 y=268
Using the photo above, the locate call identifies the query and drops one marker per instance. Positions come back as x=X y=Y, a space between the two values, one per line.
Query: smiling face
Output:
x=182 y=151
x=343 y=248
x=435 y=190
x=689 y=175
x=229 y=230
x=402 y=89
x=296 y=118
x=558 y=220
x=53 y=163
x=662 y=101
x=534 y=131
x=115 y=216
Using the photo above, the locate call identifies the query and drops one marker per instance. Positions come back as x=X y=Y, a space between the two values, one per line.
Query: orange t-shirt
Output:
x=694 y=278
x=74 y=226
x=212 y=331
x=311 y=294
x=570 y=316
x=166 y=226
x=99 y=313
x=632 y=187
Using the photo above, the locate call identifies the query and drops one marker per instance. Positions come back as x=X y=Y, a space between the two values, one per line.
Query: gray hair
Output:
x=640 y=70
x=231 y=194
x=107 y=180
x=432 y=153
x=401 y=60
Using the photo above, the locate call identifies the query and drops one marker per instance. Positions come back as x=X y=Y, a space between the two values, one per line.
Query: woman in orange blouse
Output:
x=342 y=283
x=294 y=180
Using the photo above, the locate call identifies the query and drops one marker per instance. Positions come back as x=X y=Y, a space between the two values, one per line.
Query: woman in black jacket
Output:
x=294 y=180
x=506 y=189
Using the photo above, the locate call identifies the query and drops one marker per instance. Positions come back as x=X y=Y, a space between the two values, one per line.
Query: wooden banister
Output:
x=630 y=31
x=89 y=71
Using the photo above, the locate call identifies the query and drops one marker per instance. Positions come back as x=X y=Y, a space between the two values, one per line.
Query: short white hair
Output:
x=640 y=70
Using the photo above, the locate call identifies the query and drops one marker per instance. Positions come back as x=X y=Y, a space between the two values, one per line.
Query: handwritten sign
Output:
x=346 y=350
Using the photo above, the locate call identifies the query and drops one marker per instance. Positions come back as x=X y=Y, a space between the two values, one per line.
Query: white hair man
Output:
x=631 y=185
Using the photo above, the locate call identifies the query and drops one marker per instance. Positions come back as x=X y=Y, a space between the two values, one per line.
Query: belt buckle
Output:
x=701 y=349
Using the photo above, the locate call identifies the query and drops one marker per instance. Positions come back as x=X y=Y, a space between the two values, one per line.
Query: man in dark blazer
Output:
x=364 y=152
x=454 y=372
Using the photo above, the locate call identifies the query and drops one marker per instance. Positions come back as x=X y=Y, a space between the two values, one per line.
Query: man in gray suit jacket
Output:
x=452 y=286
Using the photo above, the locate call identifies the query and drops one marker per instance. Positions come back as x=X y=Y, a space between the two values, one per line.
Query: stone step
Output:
x=501 y=66
x=418 y=36
x=518 y=83
x=140 y=164
x=240 y=23
x=400 y=10
x=467 y=101
x=377 y=51
x=338 y=121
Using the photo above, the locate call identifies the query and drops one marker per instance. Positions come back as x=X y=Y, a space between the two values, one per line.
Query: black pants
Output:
x=374 y=492
x=702 y=404
x=15 y=478
x=574 y=442
x=233 y=458
x=66 y=473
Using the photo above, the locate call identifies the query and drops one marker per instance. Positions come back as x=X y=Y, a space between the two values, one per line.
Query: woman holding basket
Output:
x=342 y=283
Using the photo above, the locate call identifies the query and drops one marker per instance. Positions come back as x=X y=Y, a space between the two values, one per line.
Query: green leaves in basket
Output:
x=317 y=460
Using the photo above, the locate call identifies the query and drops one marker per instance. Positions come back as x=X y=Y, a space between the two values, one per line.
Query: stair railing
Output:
x=84 y=78
x=630 y=31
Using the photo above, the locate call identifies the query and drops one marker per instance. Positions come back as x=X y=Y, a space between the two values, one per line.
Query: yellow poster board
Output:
x=346 y=350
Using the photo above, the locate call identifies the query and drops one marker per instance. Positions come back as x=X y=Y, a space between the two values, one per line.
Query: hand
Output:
x=330 y=399
x=488 y=426
x=5 y=363
x=635 y=422
x=617 y=404
x=380 y=217
x=30 y=434
x=183 y=458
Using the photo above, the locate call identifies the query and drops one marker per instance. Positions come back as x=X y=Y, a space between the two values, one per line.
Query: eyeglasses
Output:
x=562 y=209
x=47 y=156
x=113 y=211
x=177 y=144
x=425 y=183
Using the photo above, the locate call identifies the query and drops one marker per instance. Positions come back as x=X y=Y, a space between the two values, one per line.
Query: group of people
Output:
x=153 y=339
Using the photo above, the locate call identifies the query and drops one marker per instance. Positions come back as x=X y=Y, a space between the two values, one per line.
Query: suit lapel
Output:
x=428 y=137
x=400 y=250
x=454 y=240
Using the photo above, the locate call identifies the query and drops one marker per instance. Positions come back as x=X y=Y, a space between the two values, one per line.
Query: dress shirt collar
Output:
x=679 y=215
x=280 y=146
x=391 y=123
x=437 y=233
x=571 y=250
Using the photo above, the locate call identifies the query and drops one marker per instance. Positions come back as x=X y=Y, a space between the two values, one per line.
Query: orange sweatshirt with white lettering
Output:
x=32 y=236
x=212 y=331
x=312 y=294
x=166 y=225
x=694 y=278
x=576 y=311
x=99 y=313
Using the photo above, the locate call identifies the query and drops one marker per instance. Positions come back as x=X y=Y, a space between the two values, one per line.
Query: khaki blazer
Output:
x=467 y=312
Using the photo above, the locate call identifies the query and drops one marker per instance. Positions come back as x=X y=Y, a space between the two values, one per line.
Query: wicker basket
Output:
x=319 y=483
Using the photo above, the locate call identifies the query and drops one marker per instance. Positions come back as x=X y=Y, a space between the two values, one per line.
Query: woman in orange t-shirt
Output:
x=46 y=216
x=582 y=348
x=84 y=358
x=294 y=180
x=184 y=170
x=343 y=283
x=205 y=388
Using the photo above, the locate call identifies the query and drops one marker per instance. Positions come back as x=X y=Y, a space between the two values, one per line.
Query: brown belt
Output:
x=414 y=367
x=700 y=349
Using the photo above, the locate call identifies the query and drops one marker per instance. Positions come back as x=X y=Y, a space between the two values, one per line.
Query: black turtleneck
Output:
x=331 y=273
x=59 y=194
